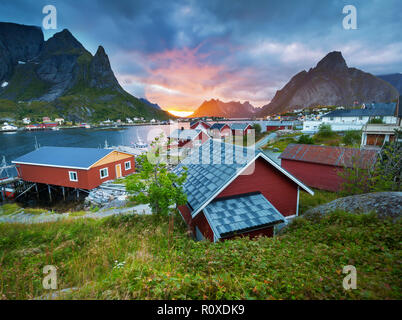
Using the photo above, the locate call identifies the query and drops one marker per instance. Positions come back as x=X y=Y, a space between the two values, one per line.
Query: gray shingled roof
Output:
x=69 y=157
x=371 y=110
x=210 y=167
x=239 y=126
x=213 y=165
x=218 y=126
x=185 y=134
x=242 y=213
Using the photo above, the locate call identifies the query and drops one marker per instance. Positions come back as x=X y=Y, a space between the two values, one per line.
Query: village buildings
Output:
x=83 y=168
x=354 y=119
x=321 y=167
x=236 y=191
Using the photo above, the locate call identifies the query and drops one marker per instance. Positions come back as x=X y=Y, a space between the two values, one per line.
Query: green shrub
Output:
x=325 y=131
x=305 y=139
x=352 y=137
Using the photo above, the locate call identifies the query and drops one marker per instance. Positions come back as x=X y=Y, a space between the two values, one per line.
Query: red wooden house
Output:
x=236 y=191
x=241 y=129
x=279 y=125
x=187 y=138
x=220 y=130
x=84 y=168
x=320 y=166
x=200 y=125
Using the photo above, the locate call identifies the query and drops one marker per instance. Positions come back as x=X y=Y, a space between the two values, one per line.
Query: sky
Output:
x=179 y=53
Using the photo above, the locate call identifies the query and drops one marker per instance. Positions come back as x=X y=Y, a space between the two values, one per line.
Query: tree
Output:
x=155 y=184
x=257 y=128
x=352 y=137
x=384 y=175
x=305 y=139
x=325 y=131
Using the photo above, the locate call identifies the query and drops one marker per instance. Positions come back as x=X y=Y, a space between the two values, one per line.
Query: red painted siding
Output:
x=320 y=176
x=199 y=221
x=274 y=185
x=87 y=179
x=272 y=128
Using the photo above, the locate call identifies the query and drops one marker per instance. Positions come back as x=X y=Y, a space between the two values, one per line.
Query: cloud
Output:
x=180 y=52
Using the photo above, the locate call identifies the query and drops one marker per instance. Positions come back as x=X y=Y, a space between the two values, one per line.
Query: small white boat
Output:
x=8 y=127
x=55 y=128
x=140 y=144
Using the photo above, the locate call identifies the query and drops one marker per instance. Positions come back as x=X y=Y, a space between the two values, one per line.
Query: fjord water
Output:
x=15 y=144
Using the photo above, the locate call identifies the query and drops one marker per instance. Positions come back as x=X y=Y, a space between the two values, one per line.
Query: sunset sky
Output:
x=180 y=53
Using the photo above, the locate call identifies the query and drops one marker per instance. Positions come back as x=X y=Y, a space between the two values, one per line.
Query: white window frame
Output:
x=76 y=175
x=125 y=165
x=107 y=173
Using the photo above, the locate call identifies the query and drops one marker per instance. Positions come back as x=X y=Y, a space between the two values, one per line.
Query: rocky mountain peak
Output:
x=63 y=41
x=331 y=82
x=332 y=61
x=101 y=73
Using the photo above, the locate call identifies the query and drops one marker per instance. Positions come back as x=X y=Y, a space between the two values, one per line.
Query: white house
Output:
x=59 y=120
x=26 y=121
x=354 y=119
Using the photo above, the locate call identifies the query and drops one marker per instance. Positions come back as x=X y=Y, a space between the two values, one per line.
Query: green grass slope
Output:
x=133 y=257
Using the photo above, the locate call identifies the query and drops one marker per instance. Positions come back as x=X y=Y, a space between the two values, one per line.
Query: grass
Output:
x=79 y=213
x=132 y=257
x=308 y=201
x=280 y=144
x=13 y=208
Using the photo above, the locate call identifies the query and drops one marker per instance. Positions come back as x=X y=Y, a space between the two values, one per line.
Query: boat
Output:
x=55 y=128
x=8 y=174
x=140 y=144
x=8 y=127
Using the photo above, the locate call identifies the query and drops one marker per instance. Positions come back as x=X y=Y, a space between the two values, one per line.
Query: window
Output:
x=127 y=165
x=104 y=173
x=73 y=176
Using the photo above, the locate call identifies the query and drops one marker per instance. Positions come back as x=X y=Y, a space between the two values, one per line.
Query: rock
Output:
x=385 y=204
x=17 y=43
x=331 y=82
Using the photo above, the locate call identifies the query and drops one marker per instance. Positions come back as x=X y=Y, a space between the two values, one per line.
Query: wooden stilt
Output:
x=50 y=193
x=78 y=194
x=37 y=191
x=64 y=193
x=3 y=195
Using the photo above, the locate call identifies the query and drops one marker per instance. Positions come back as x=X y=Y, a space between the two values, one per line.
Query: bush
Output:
x=325 y=131
x=352 y=137
x=257 y=128
x=376 y=121
x=305 y=139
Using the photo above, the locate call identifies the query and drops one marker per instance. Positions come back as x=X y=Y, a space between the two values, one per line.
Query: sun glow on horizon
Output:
x=179 y=113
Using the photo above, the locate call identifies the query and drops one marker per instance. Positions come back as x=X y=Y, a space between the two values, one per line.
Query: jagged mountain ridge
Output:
x=331 y=82
x=62 y=75
x=232 y=109
x=395 y=79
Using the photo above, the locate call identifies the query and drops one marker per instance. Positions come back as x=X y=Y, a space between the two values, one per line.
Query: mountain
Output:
x=217 y=108
x=394 y=79
x=59 y=77
x=331 y=82
x=154 y=105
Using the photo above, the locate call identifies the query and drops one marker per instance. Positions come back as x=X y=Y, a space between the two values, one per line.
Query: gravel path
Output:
x=22 y=217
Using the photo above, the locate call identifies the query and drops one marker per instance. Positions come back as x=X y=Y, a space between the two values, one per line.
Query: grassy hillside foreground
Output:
x=130 y=257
